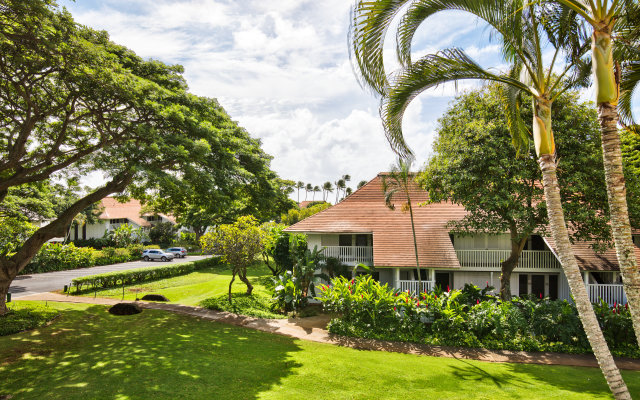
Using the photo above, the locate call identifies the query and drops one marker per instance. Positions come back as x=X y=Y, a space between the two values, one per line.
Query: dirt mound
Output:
x=125 y=309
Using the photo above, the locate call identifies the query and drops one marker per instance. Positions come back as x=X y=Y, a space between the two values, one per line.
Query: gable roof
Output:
x=365 y=212
x=131 y=210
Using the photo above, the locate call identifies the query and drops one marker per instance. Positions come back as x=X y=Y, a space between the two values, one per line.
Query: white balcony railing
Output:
x=350 y=255
x=610 y=293
x=491 y=259
x=412 y=286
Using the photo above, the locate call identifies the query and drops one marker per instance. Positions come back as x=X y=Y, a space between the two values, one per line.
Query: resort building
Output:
x=113 y=214
x=361 y=229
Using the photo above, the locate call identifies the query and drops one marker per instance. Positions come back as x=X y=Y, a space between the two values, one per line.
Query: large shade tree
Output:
x=608 y=20
x=74 y=103
x=517 y=25
x=475 y=165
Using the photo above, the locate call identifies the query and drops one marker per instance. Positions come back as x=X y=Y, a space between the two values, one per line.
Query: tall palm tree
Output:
x=521 y=36
x=607 y=19
x=327 y=188
x=346 y=178
x=299 y=185
x=399 y=180
x=361 y=184
x=348 y=191
x=308 y=188
x=340 y=185
x=316 y=189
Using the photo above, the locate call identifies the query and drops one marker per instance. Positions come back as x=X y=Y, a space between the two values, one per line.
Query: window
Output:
x=118 y=220
x=362 y=240
x=345 y=240
x=636 y=240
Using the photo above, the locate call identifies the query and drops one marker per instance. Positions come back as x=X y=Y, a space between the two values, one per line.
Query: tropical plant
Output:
x=401 y=181
x=308 y=189
x=271 y=233
x=607 y=20
x=327 y=188
x=522 y=37
x=125 y=235
x=238 y=243
x=361 y=184
x=316 y=189
x=163 y=233
x=299 y=185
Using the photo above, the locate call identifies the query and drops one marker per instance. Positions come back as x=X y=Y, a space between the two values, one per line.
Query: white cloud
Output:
x=281 y=69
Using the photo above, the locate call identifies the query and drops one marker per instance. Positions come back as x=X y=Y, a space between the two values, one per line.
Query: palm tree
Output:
x=327 y=188
x=348 y=191
x=607 y=19
x=346 y=178
x=299 y=185
x=400 y=180
x=316 y=189
x=361 y=184
x=308 y=188
x=521 y=36
x=340 y=185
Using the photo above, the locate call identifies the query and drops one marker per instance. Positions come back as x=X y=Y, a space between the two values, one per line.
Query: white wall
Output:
x=480 y=280
x=314 y=240
x=94 y=231
x=330 y=240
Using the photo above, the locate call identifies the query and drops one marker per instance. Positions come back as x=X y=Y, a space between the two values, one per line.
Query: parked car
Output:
x=180 y=252
x=155 y=254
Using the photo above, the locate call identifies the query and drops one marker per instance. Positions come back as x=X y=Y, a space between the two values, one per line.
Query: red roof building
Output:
x=362 y=229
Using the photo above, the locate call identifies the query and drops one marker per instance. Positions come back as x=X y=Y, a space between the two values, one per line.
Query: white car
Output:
x=156 y=254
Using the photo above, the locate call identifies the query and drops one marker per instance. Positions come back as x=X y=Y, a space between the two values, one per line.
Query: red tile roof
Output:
x=131 y=210
x=365 y=212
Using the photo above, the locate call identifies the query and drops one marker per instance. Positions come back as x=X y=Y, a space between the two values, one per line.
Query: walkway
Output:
x=313 y=329
x=26 y=285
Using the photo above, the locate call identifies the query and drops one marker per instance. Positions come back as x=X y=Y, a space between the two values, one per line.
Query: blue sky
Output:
x=281 y=69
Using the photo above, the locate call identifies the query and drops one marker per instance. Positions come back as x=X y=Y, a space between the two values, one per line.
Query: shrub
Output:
x=60 y=257
x=365 y=308
x=96 y=243
x=118 y=278
x=25 y=319
x=255 y=305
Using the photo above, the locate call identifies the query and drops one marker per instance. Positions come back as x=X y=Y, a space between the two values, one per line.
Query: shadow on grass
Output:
x=587 y=380
x=92 y=354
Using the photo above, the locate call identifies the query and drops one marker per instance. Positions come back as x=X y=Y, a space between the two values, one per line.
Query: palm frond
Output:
x=511 y=98
x=504 y=17
x=628 y=87
x=447 y=66
x=370 y=20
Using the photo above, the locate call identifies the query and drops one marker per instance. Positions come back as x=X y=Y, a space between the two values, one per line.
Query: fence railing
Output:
x=610 y=293
x=412 y=286
x=491 y=259
x=350 y=254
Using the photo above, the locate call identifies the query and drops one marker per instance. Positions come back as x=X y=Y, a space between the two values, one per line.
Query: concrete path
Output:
x=313 y=329
x=26 y=285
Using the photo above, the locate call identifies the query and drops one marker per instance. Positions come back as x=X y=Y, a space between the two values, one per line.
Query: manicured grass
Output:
x=88 y=353
x=192 y=288
x=22 y=317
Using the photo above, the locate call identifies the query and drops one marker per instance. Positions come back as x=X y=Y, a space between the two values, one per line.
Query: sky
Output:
x=281 y=69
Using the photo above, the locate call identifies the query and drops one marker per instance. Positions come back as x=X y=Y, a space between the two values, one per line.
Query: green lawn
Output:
x=192 y=288
x=89 y=354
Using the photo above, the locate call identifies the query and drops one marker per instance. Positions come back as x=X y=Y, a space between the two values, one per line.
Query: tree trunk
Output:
x=4 y=289
x=415 y=246
x=233 y=278
x=243 y=277
x=508 y=265
x=620 y=226
x=576 y=284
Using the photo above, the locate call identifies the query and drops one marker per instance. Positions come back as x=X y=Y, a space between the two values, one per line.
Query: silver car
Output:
x=179 y=252
x=155 y=254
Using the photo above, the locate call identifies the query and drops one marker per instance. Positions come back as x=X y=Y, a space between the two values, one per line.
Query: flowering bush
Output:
x=469 y=317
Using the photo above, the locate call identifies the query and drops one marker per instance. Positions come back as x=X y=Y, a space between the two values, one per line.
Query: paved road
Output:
x=25 y=285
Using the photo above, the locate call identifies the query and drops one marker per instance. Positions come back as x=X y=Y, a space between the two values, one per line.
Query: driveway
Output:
x=25 y=285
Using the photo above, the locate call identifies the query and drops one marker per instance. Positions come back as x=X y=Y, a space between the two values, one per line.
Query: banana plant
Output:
x=523 y=33
x=616 y=66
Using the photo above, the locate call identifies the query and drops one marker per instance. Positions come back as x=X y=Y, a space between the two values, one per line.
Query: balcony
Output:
x=610 y=293
x=412 y=286
x=350 y=255
x=490 y=260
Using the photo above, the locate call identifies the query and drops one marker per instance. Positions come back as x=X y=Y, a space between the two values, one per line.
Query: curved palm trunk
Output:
x=545 y=147
x=607 y=93
x=415 y=246
x=576 y=284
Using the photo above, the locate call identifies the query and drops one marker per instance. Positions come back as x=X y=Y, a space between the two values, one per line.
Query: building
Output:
x=113 y=214
x=361 y=229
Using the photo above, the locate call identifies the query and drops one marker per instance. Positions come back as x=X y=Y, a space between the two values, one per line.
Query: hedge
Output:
x=127 y=277
x=62 y=257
